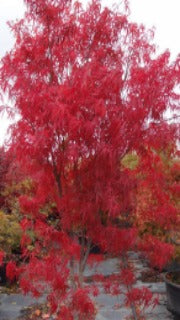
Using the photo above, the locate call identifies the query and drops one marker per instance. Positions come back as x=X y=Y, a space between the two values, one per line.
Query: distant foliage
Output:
x=10 y=233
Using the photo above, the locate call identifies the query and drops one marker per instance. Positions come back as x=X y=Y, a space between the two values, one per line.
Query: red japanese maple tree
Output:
x=89 y=88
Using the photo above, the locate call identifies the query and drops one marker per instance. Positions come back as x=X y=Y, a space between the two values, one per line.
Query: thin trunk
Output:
x=57 y=176
x=72 y=273
x=85 y=250
x=129 y=288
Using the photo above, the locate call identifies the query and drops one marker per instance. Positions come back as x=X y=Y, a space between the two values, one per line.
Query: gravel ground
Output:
x=12 y=305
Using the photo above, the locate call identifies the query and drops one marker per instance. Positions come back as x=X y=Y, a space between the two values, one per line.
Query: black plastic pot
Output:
x=172 y=266
x=3 y=278
x=173 y=294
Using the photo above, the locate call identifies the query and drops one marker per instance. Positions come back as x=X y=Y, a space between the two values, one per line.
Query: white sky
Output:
x=163 y=14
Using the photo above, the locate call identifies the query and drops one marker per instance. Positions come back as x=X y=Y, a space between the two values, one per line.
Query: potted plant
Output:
x=172 y=280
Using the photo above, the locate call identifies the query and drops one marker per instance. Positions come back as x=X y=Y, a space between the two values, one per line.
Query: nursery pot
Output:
x=173 y=292
x=3 y=278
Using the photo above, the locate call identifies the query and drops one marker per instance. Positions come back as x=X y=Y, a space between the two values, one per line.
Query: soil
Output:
x=9 y=288
x=35 y=312
x=151 y=276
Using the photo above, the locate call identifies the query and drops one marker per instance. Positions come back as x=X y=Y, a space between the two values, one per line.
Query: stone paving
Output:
x=106 y=303
x=12 y=305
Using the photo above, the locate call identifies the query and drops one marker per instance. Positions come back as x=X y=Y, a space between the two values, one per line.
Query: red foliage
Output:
x=82 y=305
x=156 y=190
x=4 y=166
x=89 y=89
x=127 y=277
x=142 y=297
x=158 y=252
x=11 y=270
x=120 y=241
x=65 y=313
x=1 y=257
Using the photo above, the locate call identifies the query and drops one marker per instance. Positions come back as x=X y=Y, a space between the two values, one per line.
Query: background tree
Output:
x=13 y=183
x=89 y=88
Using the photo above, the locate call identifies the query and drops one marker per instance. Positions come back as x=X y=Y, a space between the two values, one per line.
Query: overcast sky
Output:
x=163 y=14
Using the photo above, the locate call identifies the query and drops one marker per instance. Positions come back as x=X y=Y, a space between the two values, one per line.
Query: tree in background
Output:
x=4 y=166
x=89 y=89
x=157 y=198
x=13 y=183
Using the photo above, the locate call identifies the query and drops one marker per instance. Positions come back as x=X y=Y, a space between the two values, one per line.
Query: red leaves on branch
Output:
x=25 y=285
x=120 y=241
x=29 y=206
x=65 y=313
x=1 y=257
x=82 y=305
x=142 y=297
x=11 y=270
x=158 y=252
x=127 y=277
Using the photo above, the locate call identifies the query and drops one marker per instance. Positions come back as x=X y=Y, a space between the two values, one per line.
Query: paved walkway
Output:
x=12 y=305
x=106 y=302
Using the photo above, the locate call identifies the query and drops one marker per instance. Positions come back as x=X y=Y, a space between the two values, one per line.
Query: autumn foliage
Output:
x=89 y=89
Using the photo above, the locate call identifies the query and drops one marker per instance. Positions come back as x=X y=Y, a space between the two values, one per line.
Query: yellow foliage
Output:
x=130 y=161
x=10 y=232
